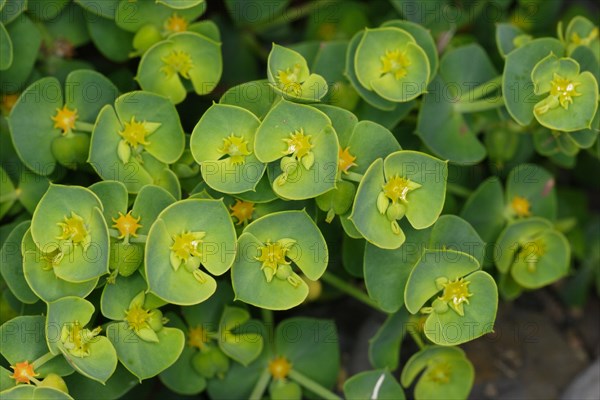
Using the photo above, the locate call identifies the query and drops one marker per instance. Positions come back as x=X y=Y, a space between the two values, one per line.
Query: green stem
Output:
x=14 y=195
x=458 y=190
x=43 y=360
x=484 y=89
x=479 y=105
x=315 y=387
x=347 y=288
x=294 y=14
x=83 y=126
x=267 y=316
x=353 y=176
x=253 y=43
x=416 y=337
x=261 y=385
x=138 y=239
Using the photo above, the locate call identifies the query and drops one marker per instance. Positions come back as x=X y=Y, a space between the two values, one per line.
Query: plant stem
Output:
x=294 y=14
x=267 y=316
x=353 y=176
x=43 y=360
x=254 y=44
x=347 y=288
x=458 y=190
x=83 y=126
x=261 y=385
x=484 y=89
x=316 y=388
x=416 y=337
x=9 y=196
x=479 y=105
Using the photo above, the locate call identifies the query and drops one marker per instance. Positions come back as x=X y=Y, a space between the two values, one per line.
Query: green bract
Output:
x=178 y=246
x=405 y=183
x=263 y=273
x=133 y=141
x=48 y=127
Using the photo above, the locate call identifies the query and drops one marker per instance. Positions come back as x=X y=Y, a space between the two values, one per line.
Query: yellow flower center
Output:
x=187 y=245
x=346 y=160
x=289 y=80
x=279 y=368
x=77 y=339
x=531 y=252
x=73 y=229
x=127 y=225
x=298 y=144
x=65 y=119
x=177 y=62
x=439 y=373
x=577 y=40
x=197 y=337
x=521 y=206
x=23 y=372
x=134 y=133
x=564 y=89
x=396 y=188
x=395 y=62
x=236 y=148
x=242 y=211
x=175 y=24
x=456 y=293
x=272 y=255
x=137 y=317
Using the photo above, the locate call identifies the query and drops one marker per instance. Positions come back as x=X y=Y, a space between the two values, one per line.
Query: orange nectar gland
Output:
x=177 y=62
x=236 y=148
x=279 y=368
x=175 y=24
x=127 y=225
x=456 y=293
x=197 y=337
x=65 y=119
x=345 y=160
x=521 y=206
x=289 y=80
x=23 y=372
x=395 y=62
x=439 y=373
x=8 y=102
x=74 y=231
x=242 y=211
x=76 y=340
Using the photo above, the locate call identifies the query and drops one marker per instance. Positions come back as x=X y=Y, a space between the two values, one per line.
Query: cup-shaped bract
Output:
x=45 y=122
x=69 y=230
x=468 y=298
x=187 y=235
x=133 y=141
x=290 y=76
x=381 y=382
x=223 y=144
x=263 y=274
x=91 y=355
x=301 y=144
x=186 y=55
x=407 y=183
x=581 y=32
x=570 y=97
x=389 y=62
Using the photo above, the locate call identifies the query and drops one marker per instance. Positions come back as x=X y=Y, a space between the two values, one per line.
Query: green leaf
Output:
x=146 y=359
x=484 y=209
x=12 y=265
x=116 y=386
x=105 y=8
x=116 y=297
x=227 y=169
x=507 y=38
x=384 y=347
x=133 y=16
x=234 y=340
x=26 y=392
x=114 y=43
x=373 y=385
x=6 y=49
x=181 y=4
x=255 y=96
x=534 y=184
x=26 y=40
x=512 y=236
x=114 y=198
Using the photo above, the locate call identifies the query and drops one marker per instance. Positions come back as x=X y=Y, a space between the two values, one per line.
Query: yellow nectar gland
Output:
x=564 y=89
x=521 y=206
x=272 y=256
x=175 y=24
x=23 y=372
x=298 y=144
x=396 y=188
x=289 y=80
x=586 y=41
x=346 y=160
x=186 y=248
x=177 y=62
x=279 y=368
x=197 y=337
x=236 y=148
x=455 y=294
x=395 y=62
x=77 y=340
x=439 y=373
x=65 y=119
x=127 y=225
x=531 y=252
x=134 y=133
x=74 y=230
x=137 y=317
x=242 y=211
